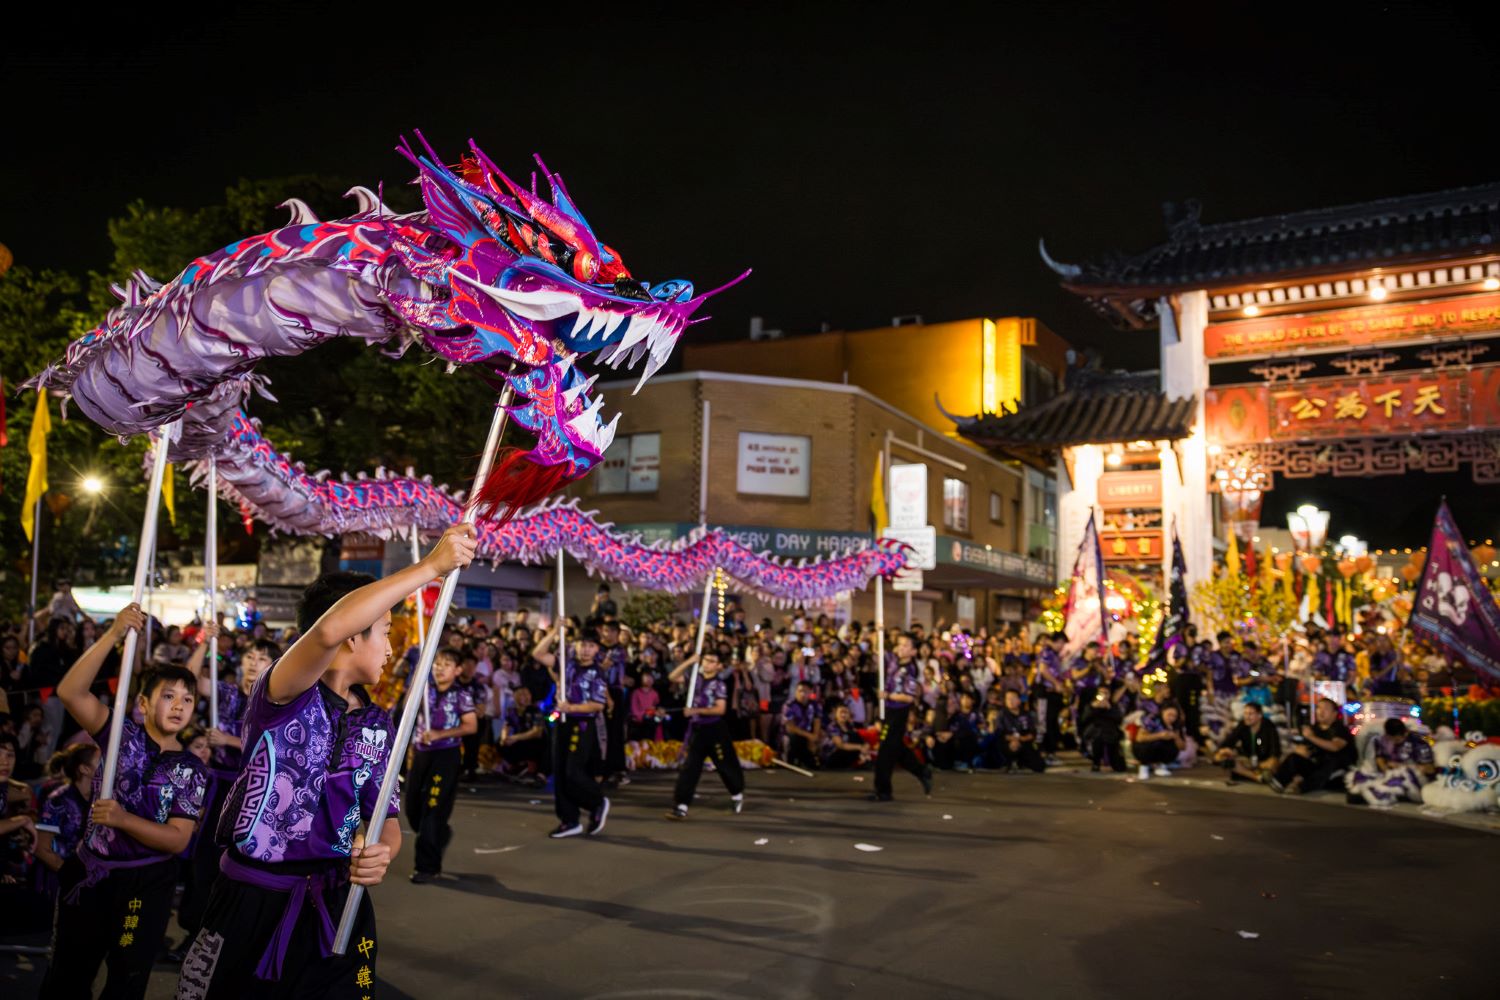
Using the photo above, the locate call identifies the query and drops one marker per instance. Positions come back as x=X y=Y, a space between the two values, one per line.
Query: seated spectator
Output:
x=1397 y=764
x=65 y=812
x=1324 y=751
x=802 y=728
x=1252 y=749
x=957 y=744
x=34 y=737
x=1015 y=737
x=1162 y=736
x=842 y=747
x=1103 y=739
x=522 y=739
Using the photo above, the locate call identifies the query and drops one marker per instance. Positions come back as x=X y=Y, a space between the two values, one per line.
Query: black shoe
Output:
x=422 y=878
x=597 y=817
x=878 y=797
x=926 y=777
x=564 y=830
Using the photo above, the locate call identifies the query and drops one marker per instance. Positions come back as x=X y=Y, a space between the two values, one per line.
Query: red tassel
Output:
x=516 y=482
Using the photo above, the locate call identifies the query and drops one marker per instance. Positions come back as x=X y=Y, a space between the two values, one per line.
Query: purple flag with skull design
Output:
x=1454 y=606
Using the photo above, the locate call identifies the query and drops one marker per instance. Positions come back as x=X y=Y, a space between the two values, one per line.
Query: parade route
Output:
x=1049 y=886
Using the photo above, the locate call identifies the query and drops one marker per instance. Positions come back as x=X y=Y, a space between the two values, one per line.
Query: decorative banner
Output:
x=1172 y=631
x=1119 y=490
x=1356 y=327
x=1084 y=619
x=1372 y=406
x=1132 y=546
x=1454 y=607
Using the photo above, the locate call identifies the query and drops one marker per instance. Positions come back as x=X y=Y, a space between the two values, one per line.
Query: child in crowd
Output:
x=432 y=782
x=65 y=813
x=316 y=753
x=842 y=747
x=116 y=891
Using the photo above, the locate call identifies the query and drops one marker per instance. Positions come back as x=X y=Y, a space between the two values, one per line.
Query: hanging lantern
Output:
x=1418 y=560
x=1410 y=573
x=1364 y=564
x=1482 y=554
x=1346 y=568
x=1283 y=561
x=1311 y=565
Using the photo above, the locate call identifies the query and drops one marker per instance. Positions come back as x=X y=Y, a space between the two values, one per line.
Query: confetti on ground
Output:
x=497 y=850
x=859 y=777
x=946 y=816
x=536 y=802
x=1249 y=935
x=762 y=842
x=867 y=847
x=1215 y=836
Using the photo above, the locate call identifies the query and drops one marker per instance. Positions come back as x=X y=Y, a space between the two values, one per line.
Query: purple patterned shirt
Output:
x=586 y=684
x=446 y=709
x=64 y=815
x=709 y=690
x=1050 y=673
x=152 y=783
x=902 y=678
x=1408 y=749
x=312 y=772
x=803 y=716
x=232 y=702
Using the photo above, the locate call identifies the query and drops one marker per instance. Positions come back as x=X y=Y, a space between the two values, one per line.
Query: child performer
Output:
x=579 y=736
x=901 y=690
x=432 y=783
x=59 y=830
x=316 y=752
x=708 y=733
x=116 y=891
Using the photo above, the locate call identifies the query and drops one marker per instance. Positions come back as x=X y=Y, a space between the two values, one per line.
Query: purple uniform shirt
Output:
x=833 y=736
x=901 y=678
x=232 y=702
x=152 y=783
x=312 y=772
x=1050 y=674
x=709 y=691
x=803 y=716
x=446 y=710
x=586 y=684
x=1221 y=673
x=1408 y=749
x=965 y=722
x=64 y=815
x=1016 y=723
x=1336 y=666
x=615 y=662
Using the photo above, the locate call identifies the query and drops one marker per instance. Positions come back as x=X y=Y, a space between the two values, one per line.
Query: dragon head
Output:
x=519 y=284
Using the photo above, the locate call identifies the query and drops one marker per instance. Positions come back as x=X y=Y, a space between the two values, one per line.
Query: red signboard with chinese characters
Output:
x=1373 y=406
x=1131 y=546
x=1361 y=326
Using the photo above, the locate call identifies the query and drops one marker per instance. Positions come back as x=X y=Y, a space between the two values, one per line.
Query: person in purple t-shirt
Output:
x=316 y=752
x=579 y=736
x=802 y=727
x=708 y=735
x=432 y=782
x=65 y=813
x=116 y=891
x=902 y=687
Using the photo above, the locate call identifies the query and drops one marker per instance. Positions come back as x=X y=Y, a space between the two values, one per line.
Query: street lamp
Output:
x=1309 y=527
x=92 y=485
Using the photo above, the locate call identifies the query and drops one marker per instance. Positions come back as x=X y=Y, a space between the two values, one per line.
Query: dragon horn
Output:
x=724 y=287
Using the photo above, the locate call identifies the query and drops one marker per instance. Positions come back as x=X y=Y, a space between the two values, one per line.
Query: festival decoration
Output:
x=1454 y=608
x=490 y=275
x=1235 y=605
x=1084 y=616
x=1172 y=628
x=1470 y=779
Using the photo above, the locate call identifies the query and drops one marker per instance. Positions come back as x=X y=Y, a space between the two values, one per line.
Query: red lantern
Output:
x=1346 y=568
x=1311 y=565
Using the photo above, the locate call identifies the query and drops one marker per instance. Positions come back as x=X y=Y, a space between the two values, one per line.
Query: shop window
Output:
x=956 y=504
x=996 y=509
x=631 y=465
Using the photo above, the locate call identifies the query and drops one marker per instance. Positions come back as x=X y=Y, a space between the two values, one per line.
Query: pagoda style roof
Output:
x=1095 y=408
x=1443 y=225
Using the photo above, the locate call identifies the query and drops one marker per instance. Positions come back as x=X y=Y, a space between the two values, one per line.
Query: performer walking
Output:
x=317 y=751
x=708 y=735
x=578 y=736
x=901 y=688
x=432 y=782
x=116 y=891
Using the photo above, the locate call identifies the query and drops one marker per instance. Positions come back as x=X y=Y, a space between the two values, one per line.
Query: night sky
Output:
x=866 y=160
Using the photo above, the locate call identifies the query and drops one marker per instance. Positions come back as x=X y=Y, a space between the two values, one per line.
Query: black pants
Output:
x=1028 y=756
x=1052 y=725
x=614 y=754
x=961 y=749
x=841 y=760
x=705 y=741
x=431 y=787
x=203 y=866
x=1155 y=752
x=575 y=752
x=893 y=749
x=1187 y=690
x=471 y=751
x=119 y=922
x=1106 y=747
x=525 y=755
x=799 y=751
x=241 y=920
x=1316 y=774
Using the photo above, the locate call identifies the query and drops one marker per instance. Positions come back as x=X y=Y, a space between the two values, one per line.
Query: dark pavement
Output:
x=999 y=886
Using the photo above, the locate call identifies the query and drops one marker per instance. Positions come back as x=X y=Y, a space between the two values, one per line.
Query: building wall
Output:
x=1184 y=372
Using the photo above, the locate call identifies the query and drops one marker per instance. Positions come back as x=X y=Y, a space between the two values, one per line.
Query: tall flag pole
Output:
x=1454 y=607
x=211 y=583
x=1171 y=631
x=708 y=586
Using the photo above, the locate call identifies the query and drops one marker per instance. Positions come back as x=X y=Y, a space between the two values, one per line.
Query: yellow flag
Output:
x=877 y=496
x=36 y=479
x=168 y=494
x=1232 y=556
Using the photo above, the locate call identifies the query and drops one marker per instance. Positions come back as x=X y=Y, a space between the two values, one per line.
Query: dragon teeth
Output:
x=615 y=319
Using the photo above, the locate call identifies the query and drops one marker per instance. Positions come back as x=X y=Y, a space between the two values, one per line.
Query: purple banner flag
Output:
x=1172 y=631
x=1086 y=619
x=1454 y=606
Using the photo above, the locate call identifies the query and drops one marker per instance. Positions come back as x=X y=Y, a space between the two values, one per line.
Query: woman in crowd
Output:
x=1159 y=741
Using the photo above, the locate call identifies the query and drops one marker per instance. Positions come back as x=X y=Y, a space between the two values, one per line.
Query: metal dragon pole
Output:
x=376 y=820
x=562 y=639
x=416 y=557
x=702 y=631
x=880 y=641
x=211 y=582
x=132 y=638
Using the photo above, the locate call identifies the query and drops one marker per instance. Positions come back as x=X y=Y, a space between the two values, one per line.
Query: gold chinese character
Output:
x=132 y=922
x=1390 y=400
x=1308 y=408
x=1118 y=547
x=366 y=946
x=1143 y=546
x=1349 y=407
x=363 y=979
x=1429 y=397
x=133 y=906
x=127 y=939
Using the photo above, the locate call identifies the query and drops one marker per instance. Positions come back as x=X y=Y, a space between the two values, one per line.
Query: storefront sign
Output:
x=908 y=580
x=774 y=464
x=1136 y=546
x=785 y=543
x=645 y=463
x=908 y=506
x=1375 y=406
x=229 y=575
x=1119 y=490
x=1356 y=327
x=957 y=552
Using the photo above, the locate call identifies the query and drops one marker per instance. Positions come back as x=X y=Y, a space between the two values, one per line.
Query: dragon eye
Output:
x=1486 y=771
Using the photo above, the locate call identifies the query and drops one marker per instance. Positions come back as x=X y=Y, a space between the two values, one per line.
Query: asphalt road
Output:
x=998 y=886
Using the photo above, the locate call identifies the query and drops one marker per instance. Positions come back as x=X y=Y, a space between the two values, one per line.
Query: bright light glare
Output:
x=93 y=485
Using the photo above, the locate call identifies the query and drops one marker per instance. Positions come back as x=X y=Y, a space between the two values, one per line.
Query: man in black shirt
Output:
x=1252 y=750
x=1320 y=758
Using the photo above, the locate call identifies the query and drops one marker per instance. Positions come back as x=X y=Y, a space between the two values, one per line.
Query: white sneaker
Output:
x=1162 y=772
x=1143 y=772
x=563 y=830
x=737 y=803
